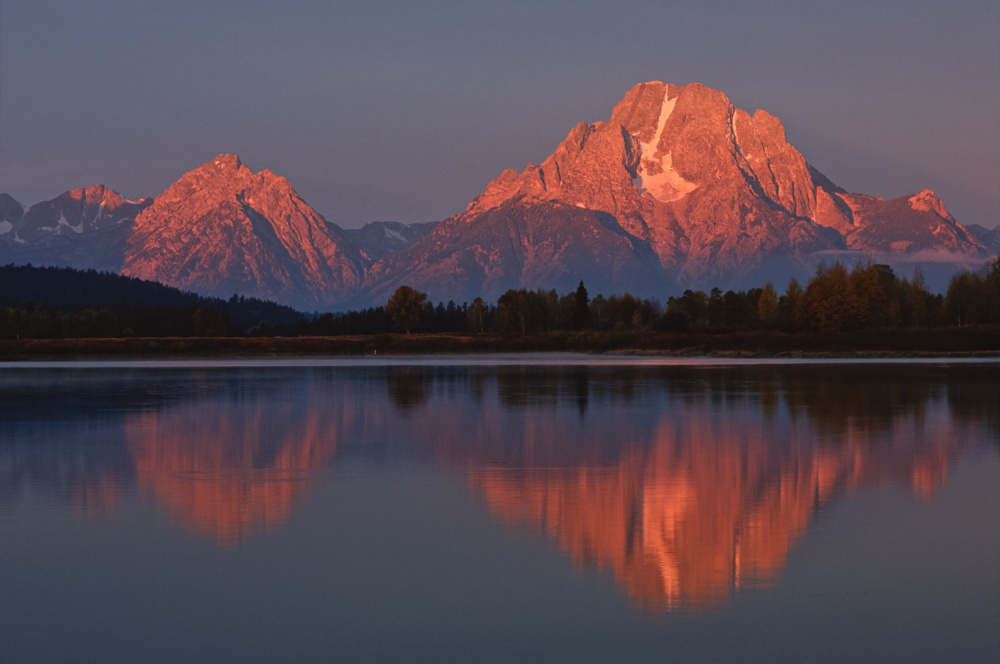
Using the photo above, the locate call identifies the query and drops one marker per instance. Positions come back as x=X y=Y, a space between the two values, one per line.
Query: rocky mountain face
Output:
x=989 y=237
x=515 y=244
x=83 y=228
x=378 y=238
x=678 y=189
x=222 y=229
x=716 y=195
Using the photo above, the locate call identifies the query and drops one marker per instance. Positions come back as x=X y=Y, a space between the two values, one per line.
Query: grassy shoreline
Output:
x=971 y=341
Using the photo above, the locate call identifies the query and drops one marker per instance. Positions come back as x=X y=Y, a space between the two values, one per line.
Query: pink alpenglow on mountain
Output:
x=717 y=196
x=678 y=189
x=222 y=229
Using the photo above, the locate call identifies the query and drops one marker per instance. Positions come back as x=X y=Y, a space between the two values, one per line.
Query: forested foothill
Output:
x=56 y=303
x=866 y=307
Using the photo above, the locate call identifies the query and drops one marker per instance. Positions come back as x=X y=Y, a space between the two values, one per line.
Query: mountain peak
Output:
x=222 y=229
x=225 y=166
x=704 y=193
x=926 y=201
x=9 y=202
x=97 y=194
x=677 y=189
x=227 y=162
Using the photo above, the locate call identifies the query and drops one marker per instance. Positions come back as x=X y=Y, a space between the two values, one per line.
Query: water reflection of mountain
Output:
x=225 y=452
x=692 y=483
x=225 y=473
x=57 y=436
x=686 y=482
x=79 y=462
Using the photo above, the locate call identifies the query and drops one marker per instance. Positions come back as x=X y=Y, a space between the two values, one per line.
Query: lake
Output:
x=540 y=508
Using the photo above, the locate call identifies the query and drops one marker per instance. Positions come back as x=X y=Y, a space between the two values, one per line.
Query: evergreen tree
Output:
x=581 y=310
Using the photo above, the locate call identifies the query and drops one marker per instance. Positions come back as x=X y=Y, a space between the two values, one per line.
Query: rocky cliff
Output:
x=222 y=229
x=82 y=228
x=678 y=189
x=717 y=195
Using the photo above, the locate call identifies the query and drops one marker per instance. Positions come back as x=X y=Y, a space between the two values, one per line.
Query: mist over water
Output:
x=511 y=509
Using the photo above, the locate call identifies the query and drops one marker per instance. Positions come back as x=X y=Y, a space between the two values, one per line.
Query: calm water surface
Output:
x=499 y=509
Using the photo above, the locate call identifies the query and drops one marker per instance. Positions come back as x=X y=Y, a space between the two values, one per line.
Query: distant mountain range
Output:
x=679 y=189
x=83 y=228
x=991 y=238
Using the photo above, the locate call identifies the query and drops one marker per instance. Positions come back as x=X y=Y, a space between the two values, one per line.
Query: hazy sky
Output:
x=405 y=111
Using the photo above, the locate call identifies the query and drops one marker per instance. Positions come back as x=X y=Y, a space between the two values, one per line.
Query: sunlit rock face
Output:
x=82 y=228
x=677 y=189
x=907 y=225
x=717 y=195
x=222 y=229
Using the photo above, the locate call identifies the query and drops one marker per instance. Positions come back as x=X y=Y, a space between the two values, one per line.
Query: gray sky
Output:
x=405 y=111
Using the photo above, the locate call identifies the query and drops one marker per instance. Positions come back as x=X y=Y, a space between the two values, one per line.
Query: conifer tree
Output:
x=581 y=311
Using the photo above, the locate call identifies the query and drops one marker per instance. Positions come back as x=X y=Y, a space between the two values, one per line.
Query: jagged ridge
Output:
x=677 y=189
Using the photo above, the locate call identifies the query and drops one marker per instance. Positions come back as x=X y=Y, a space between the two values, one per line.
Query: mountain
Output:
x=11 y=213
x=989 y=237
x=222 y=229
x=678 y=189
x=378 y=238
x=513 y=245
x=82 y=228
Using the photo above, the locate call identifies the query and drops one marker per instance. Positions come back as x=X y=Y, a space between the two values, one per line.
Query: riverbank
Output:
x=980 y=340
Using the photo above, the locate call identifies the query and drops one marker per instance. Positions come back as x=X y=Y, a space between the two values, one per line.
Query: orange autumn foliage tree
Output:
x=870 y=295
x=405 y=307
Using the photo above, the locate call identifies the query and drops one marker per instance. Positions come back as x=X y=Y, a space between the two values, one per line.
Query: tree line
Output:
x=835 y=299
x=54 y=303
x=67 y=303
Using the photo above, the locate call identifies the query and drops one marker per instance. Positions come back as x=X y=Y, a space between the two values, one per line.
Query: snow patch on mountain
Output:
x=657 y=177
x=63 y=221
x=393 y=234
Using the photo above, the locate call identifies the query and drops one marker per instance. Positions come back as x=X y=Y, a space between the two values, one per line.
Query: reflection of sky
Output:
x=404 y=111
x=341 y=501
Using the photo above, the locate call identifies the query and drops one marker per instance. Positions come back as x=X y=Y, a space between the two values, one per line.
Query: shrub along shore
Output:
x=969 y=341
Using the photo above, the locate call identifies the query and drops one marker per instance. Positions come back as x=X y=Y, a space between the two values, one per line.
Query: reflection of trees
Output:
x=406 y=387
x=842 y=398
x=581 y=385
x=520 y=386
x=977 y=399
